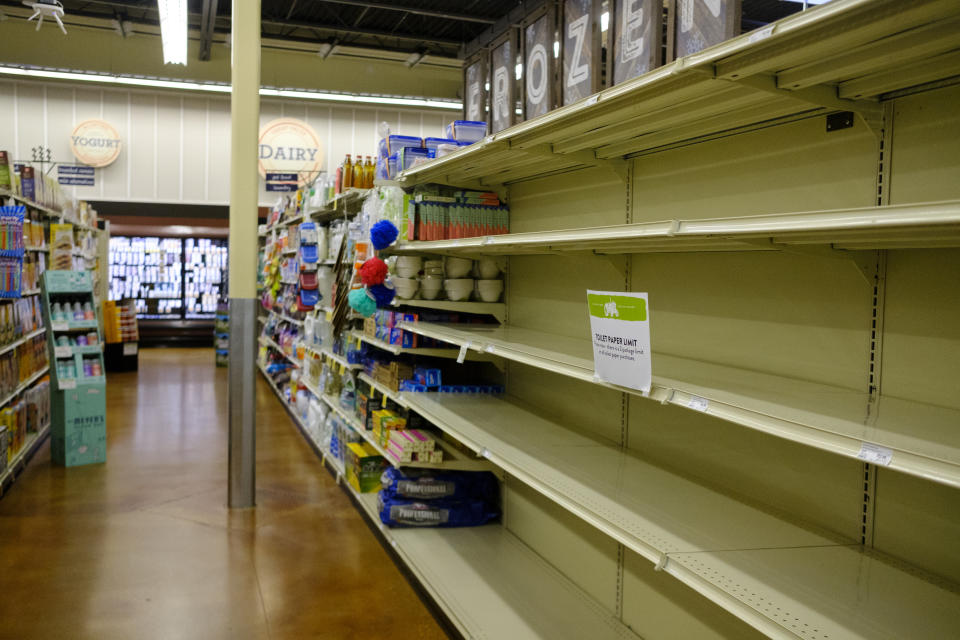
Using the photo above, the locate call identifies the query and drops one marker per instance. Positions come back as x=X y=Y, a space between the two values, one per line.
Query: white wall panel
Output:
x=177 y=147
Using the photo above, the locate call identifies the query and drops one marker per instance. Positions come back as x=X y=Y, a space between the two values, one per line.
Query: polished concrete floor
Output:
x=144 y=547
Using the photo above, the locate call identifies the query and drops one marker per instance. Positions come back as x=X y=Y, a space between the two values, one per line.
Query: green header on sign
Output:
x=617 y=307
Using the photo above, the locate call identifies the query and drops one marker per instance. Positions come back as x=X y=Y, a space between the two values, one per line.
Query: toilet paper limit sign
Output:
x=620 y=328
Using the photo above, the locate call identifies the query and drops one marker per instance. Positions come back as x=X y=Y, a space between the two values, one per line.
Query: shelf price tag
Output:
x=59 y=326
x=129 y=348
x=68 y=384
x=383 y=402
x=620 y=328
x=875 y=454
x=62 y=351
x=463 y=352
x=698 y=404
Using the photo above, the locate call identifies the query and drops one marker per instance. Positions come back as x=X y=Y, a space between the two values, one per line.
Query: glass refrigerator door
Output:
x=205 y=273
x=150 y=270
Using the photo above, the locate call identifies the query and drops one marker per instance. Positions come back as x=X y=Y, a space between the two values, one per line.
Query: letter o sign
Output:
x=537 y=73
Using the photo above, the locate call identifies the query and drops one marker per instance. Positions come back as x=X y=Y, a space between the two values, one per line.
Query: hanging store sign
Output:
x=538 y=65
x=636 y=34
x=703 y=23
x=581 y=50
x=75 y=175
x=474 y=91
x=288 y=145
x=620 y=325
x=95 y=143
x=283 y=182
x=502 y=84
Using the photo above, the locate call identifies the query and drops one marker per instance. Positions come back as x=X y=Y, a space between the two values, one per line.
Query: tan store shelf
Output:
x=842 y=56
x=485 y=579
x=786 y=580
x=919 y=439
x=933 y=224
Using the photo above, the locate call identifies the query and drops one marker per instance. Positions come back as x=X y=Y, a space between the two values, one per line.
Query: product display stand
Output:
x=79 y=411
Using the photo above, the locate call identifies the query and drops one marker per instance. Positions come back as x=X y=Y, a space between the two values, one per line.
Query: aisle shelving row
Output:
x=22 y=457
x=23 y=386
x=19 y=341
x=335 y=207
x=273 y=345
x=921 y=439
x=485 y=579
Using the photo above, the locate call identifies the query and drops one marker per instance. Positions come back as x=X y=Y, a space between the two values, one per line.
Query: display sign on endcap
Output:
x=538 y=67
x=703 y=23
x=95 y=143
x=474 y=92
x=581 y=56
x=502 y=85
x=288 y=145
x=636 y=34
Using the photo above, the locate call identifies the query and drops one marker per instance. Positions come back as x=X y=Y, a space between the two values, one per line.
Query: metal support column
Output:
x=244 y=134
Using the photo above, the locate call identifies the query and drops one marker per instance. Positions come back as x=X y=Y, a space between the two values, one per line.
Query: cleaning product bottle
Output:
x=358 y=179
x=88 y=313
x=347 y=180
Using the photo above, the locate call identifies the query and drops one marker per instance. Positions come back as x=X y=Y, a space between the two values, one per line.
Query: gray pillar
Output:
x=244 y=193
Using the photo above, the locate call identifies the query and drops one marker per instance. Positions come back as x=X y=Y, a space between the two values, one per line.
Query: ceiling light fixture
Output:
x=173 y=30
x=301 y=94
x=42 y=8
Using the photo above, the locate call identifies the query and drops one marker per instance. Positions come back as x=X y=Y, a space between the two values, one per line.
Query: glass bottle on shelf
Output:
x=347 y=180
x=358 y=173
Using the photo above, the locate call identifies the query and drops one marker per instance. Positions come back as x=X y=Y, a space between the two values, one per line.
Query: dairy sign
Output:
x=288 y=145
x=95 y=143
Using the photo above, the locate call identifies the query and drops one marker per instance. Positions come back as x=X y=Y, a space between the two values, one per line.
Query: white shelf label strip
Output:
x=875 y=454
x=698 y=404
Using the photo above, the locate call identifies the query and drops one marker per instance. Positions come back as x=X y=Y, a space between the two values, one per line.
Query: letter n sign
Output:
x=580 y=45
x=503 y=82
x=698 y=24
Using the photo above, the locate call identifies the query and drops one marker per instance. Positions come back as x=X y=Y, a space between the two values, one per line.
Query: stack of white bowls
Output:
x=457 y=285
x=458 y=278
x=431 y=283
x=489 y=285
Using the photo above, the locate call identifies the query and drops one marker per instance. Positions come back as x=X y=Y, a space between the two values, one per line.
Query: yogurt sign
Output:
x=95 y=143
x=288 y=145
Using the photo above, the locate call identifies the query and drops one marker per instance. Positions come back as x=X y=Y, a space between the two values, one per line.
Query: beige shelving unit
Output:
x=795 y=470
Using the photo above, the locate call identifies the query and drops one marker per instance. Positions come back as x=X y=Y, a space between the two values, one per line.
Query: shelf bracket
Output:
x=865 y=261
x=871 y=112
x=619 y=166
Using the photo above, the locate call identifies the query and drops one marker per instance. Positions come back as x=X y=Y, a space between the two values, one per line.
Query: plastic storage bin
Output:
x=411 y=156
x=468 y=131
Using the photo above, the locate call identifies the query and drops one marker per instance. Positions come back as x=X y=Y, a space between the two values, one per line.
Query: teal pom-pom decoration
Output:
x=383 y=234
x=383 y=294
x=362 y=303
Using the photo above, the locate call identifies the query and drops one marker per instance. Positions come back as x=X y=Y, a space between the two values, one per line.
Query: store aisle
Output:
x=143 y=547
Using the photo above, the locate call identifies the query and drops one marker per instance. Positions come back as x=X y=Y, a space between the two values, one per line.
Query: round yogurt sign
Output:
x=288 y=145
x=95 y=143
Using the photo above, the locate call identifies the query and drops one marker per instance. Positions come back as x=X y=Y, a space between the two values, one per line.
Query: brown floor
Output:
x=143 y=547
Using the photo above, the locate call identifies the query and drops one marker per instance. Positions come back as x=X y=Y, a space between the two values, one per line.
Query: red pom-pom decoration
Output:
x=373 y=271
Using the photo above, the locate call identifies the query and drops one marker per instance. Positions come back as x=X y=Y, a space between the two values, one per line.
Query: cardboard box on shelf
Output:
x=363 y=467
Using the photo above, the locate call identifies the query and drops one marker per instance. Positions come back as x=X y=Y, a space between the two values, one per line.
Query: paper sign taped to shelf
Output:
x=620 y=327
x=875 y=454
x=129 y=348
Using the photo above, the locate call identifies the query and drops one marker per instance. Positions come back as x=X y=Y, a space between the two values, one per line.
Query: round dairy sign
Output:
x=290 y=146
x=95 y=143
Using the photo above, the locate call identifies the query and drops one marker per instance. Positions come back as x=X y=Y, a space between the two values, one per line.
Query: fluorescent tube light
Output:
x=604 y=20
x=173 y=30
x=225 y=88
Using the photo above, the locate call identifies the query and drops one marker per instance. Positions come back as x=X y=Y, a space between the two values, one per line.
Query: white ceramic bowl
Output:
x=489 y=290
x=457 y=268
x=487 y=268
x=433 y=264
x=406 y=290
x=412 y=262
x=430 y=289
x=458 y=288
x=406 y=272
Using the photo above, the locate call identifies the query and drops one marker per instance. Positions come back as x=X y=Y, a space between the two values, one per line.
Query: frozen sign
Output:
x=637 y=44
x=501 y=93
x=474 y=102
x=578 y=58
x=704 y=23
x=620 y=325
x=537 y=71
x=290 y=146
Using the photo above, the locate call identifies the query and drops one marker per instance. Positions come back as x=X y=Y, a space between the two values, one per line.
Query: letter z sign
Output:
x=580 y=58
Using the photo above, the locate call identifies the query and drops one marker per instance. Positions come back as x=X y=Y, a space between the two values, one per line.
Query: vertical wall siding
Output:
x=176 y=147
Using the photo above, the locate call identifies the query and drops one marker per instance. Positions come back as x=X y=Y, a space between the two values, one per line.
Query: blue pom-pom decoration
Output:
x=383 y=293
x=362 y=303
x=383 y=234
